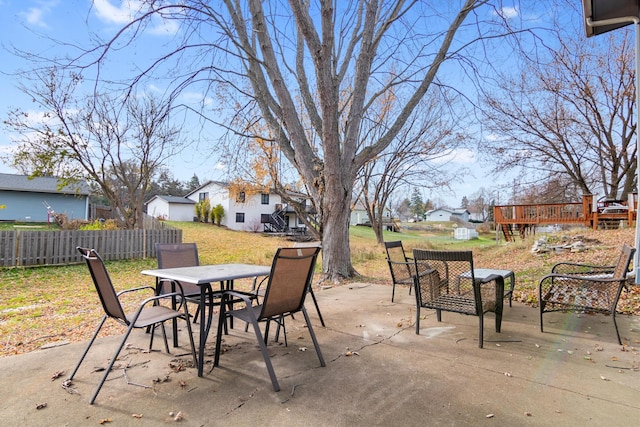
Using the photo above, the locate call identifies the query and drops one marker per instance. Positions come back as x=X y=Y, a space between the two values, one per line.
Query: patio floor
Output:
x=379 y=372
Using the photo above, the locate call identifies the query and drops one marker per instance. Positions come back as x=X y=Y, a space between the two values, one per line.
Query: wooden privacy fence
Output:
x=29 y=248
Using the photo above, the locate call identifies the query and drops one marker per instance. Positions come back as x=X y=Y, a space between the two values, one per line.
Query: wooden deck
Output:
x=523 y=219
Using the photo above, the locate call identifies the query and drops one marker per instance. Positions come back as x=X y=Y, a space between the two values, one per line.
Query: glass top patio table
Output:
x=203 y=275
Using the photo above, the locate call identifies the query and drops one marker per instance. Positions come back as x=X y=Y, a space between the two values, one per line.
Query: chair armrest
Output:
x=579 y=268
x=498 y=279
x=126 y=291
x=246 y=297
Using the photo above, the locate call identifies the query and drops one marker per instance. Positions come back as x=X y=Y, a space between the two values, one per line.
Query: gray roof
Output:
x=10 y=182
x=173 y=199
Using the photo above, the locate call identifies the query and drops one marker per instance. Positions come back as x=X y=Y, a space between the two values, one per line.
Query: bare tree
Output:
x=414 y=158
x=118 y=145
x=313 y=70
x=570 y=118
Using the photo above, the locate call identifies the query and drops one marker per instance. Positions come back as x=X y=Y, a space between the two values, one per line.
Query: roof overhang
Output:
x=616 y=14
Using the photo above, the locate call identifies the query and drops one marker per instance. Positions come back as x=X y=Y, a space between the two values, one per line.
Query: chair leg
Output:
x=615 y=324
x=113 y=360
x=265 y=353
x=393 y=291
x=93 y=338
x=315 y=302
x=481 y=333
x=313 y=337
x=190 y=332
x=418 y=321
x=164 y=335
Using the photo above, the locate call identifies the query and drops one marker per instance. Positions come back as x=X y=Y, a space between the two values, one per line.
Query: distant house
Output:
x=171 y=207
x=359 y=215
x=35 y=199
x=444 y=214
x=247 y=211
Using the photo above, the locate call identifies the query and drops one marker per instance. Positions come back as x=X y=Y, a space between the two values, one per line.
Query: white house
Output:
x=245 y=211
x=359 y=215
x=171 y=207
x=444 y=214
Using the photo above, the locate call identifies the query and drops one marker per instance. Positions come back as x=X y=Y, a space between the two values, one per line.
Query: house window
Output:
x=265 y=218
x=264 y=199
x=239 y=217
x=203 y=196
x=240 y=197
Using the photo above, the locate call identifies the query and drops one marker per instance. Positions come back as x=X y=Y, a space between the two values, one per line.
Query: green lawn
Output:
x=43 y=304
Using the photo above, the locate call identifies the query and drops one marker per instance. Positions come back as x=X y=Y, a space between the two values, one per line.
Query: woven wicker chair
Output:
x=447 y=283
x=585 y=287
x=401 y=267
x=288 y=284
x=149 y=312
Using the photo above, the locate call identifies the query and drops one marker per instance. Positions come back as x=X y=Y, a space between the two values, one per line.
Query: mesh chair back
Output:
x=103 y=284
x=395 y=251
x=178 y=255
x=622 y=267
x=289 y=281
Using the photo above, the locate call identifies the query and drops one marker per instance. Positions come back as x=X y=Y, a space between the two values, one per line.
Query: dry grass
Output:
x=48 y=304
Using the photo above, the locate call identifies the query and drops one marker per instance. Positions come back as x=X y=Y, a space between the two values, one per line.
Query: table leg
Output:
x=174 y=322
x=203 y=329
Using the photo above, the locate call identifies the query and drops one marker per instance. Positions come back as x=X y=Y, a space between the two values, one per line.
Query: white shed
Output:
x=171 y=207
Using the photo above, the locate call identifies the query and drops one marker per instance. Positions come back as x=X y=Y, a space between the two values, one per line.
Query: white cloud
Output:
x=196 y=98
x=508 y=12
x=116 y=15
x=459 y=156
x=36 y=15
x=128 y=10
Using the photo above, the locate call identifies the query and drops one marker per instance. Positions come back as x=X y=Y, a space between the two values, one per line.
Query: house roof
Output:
x=172 y=199
x=459 y=211
x=11 y=182
x=223 y=184
x=220 y=183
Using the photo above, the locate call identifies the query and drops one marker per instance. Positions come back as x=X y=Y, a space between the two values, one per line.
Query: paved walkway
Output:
x=379 y=372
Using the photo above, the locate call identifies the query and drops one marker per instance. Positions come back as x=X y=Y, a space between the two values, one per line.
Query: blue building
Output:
x=25 y=199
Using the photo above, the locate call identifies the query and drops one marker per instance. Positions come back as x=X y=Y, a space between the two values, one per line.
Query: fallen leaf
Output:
x=302 y=349
x=490 y=415
x=602 y=377
x=41 y=405
x=57 y=375
x=138 y=416
x=507 y=374
x=614 y=359
x=527 y=413
x=105 y=420
x=178 y=416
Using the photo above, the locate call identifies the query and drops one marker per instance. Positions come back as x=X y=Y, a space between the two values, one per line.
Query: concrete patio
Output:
x=379 y=372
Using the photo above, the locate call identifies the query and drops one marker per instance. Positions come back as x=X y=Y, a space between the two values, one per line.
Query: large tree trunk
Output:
x=336 y=253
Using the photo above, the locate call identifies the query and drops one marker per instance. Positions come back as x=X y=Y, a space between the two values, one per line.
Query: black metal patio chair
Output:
x=585 y=287
x=149 y=312
x=287 y=286
x=448 y=284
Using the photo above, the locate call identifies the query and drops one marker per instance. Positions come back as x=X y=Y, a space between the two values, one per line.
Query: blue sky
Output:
x=33 y=25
